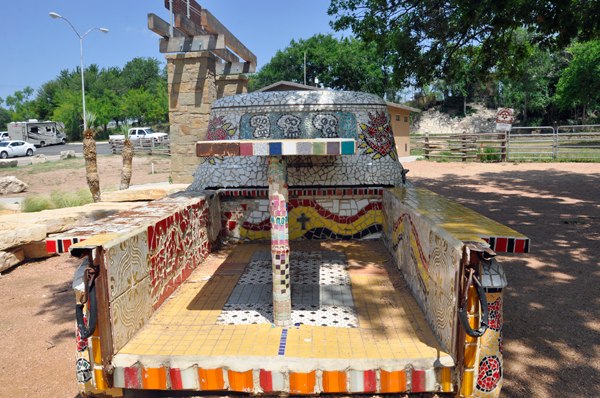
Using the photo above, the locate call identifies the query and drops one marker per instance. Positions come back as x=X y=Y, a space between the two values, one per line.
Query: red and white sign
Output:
x=504 y=119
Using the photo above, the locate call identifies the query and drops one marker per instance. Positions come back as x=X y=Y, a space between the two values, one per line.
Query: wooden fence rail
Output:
x=463 y=146
x=147 y=145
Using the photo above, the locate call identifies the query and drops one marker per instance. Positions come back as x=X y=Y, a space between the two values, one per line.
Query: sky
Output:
x=35 y=47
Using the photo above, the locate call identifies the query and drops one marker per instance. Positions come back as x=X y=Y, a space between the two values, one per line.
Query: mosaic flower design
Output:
x=490 y=374
x=378 y=137
x=219 y=130
x=84 y=370
x=495 y=317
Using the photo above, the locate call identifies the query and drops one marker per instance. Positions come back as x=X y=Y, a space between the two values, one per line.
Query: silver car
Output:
x=16 y=148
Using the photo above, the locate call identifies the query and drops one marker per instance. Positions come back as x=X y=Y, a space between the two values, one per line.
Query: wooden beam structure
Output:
x=212 y=25
x=235 y=68
x=226 y=55
x=161 y=27
x=194 y=43
x=188 y=26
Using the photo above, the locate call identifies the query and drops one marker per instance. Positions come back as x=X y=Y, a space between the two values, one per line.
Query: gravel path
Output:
x=551 y=315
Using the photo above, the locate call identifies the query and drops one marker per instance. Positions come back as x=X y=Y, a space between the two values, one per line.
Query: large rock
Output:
x=17 y=234
x=4 y=163
x=11 y=258
x=37 y=159
x=150 y=192
x=61 y=220
x=67 y=155
x=35 y=250
x=12 y=184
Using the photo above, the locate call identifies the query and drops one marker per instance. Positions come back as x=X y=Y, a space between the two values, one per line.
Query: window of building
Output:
x=397 y=118
x=405 y=119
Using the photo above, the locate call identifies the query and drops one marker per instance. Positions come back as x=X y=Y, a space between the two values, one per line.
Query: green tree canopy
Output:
x=424 y=40
x=345 y=64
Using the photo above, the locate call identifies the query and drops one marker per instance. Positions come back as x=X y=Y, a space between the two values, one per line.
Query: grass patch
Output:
x=493 y=155
x=56 y=200
x=73 y=163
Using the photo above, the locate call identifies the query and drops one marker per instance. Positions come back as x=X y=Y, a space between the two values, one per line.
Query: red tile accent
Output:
x=51 y=246
x=266 y=381
x=501 y=244
x=519 y=245
x=175 y=379
x=370 y=381
x=66 y=245
x=246 y=149
x=131 y=378
x=418 y=381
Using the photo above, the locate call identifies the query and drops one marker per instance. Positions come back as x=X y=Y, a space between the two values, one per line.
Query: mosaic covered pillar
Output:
x=280 y=244
x=490 y=370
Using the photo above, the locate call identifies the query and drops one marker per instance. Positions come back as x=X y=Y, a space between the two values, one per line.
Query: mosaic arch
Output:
x=303 y=115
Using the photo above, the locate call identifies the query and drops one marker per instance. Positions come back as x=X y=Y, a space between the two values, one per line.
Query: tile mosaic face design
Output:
x=304 y=115
x=321 y=292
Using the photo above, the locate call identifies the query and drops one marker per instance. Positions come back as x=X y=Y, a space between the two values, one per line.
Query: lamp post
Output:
x=54 y=16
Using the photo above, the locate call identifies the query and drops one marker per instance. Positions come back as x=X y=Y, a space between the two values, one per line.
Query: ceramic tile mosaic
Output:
x=327 y=147
x=280 y=116
x=318 y=218
x=463 y=223
x=385 y=329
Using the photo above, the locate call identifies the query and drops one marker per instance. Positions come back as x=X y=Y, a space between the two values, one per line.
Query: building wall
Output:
x=401 y=127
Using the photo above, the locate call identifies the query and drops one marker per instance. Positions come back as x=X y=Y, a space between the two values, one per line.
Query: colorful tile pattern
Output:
x=312 y=124
x=275 y=148
x=392 y=329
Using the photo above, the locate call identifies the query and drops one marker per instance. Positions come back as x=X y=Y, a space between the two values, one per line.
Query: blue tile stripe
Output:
x=282 y=342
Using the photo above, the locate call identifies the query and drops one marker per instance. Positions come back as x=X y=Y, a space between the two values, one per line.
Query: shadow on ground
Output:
x=552 y=307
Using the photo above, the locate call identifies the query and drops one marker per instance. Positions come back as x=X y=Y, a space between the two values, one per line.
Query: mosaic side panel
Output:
x=490 y=370
x=429 y=259
x=316 y=218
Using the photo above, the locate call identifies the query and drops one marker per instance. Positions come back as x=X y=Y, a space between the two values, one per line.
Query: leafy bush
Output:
x=490 y=158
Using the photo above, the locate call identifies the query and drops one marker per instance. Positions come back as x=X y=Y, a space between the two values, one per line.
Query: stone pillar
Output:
x=231 y=85
x=280 y=244
x=192 y=92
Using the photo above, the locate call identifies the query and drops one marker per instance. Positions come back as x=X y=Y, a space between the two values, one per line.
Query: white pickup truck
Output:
x=140 y=132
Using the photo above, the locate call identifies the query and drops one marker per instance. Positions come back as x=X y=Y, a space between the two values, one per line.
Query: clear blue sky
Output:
x=35 y=48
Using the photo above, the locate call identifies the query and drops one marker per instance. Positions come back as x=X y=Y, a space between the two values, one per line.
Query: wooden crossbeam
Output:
x=195 y=43
x=212 y=25
x=188 y=26
x=161 y=27
x=226 y=55
x=235 y=68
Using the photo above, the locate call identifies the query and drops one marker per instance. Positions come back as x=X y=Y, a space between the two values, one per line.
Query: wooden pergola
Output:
x=193 y=28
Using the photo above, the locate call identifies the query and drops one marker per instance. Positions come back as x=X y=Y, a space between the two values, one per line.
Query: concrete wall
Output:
x=193 y=88
x=401 y=128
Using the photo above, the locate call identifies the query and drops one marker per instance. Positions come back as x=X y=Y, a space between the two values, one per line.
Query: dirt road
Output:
x=551 y=315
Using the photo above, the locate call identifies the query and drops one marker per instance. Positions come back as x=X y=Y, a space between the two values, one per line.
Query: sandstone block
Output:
x=37 y=159
x=152 y=192
x=9 y=259
x=35 y=250
x=17 y=234
x=67 y=155
x=4 y=163
x=11 y=184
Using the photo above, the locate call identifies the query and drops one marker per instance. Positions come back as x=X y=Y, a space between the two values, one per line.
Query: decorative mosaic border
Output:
x=263 y=381
x=304 y=192
x=502 y=244
x=61 y=245
x=317 y=147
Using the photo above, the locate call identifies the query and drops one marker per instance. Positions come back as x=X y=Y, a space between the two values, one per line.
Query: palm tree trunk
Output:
x=127 y=164
x=91 y=165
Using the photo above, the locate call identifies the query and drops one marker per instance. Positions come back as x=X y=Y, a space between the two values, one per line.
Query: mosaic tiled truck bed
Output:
x=301 y=261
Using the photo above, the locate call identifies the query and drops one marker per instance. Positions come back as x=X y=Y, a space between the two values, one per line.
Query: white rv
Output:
x=38 y=133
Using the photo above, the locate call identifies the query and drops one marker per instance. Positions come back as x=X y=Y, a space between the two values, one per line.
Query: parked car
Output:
x=141 y=132
x=16 y=148
x=62 y=137
x=4 y=136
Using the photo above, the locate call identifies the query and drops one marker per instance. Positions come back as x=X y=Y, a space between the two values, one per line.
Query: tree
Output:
x=22 y=109
x=142 y=72
x=4 y=117
x=345 y=64
x=579 y=83
x=424 y=40
x=91 y=163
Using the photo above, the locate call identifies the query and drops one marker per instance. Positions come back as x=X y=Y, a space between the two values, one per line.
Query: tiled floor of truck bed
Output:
x=348 y=302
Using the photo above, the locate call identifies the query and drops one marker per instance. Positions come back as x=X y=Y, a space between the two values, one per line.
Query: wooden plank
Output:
x=195 y=43
x=188 y=26
x=212 y=25
x=235 y=68
x=226 y=55
x=161 y=27
x=104 y=323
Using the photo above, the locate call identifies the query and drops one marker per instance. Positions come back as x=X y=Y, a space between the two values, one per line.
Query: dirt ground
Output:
x=69 y=175
x=552 y=305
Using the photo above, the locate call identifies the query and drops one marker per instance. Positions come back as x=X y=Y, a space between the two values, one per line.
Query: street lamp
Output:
x=54 y=16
